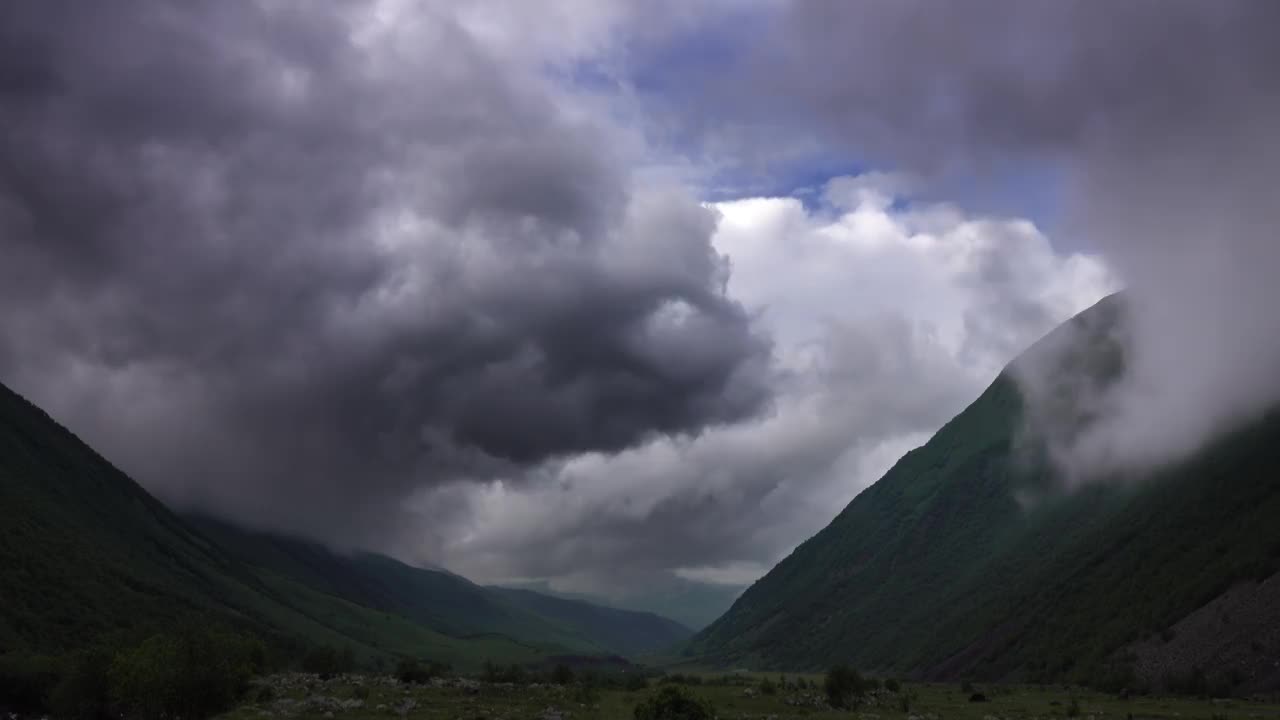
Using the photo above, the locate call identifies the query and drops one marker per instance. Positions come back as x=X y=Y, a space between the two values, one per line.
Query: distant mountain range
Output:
x=86 y=553
x=939 y=571
x=446 y=602
x=691 y=603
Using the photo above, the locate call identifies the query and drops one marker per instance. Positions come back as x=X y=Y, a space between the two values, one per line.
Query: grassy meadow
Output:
x=739 y=696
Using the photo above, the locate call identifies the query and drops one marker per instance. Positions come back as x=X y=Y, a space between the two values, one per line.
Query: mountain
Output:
x=625 y=632
x=449 y=603
x=971 y=558
x=691 y=603
x=87 y=555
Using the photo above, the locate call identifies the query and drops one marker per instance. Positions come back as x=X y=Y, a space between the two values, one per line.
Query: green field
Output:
x=739 y=696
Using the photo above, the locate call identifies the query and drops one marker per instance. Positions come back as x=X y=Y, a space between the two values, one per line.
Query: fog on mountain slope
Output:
x=972 y=558
x=1158 y=119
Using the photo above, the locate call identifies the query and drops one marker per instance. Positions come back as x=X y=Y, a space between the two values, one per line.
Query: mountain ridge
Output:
x=447 y=602
x=88 y=555
x=942 y=569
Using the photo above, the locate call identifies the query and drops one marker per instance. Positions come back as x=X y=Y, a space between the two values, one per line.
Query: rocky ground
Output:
x=310 y=697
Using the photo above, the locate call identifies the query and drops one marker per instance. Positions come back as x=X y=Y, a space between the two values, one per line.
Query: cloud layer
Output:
x=1156 y=118
x=889 y=317
x=294 y=265
x=446 y=280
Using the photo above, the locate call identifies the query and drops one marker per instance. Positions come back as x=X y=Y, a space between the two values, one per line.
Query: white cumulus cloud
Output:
x=888 y=317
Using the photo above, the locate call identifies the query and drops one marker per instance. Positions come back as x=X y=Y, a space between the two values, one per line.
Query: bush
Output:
x=673 y=703
x=767 y=687
x=410 y=671
x=586 y=692
x=844 y=686
x=84 y=693
x=193 y=673
x=327 y=661
x=892 y=685
x=26 y=683
x=513 y=673
x=635 y=682
x=562 y=675
x=266 y=694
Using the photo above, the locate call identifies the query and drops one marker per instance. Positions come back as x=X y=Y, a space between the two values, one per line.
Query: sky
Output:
x=607 y=293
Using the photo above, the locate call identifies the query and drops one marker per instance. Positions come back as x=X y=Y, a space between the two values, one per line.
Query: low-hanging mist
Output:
x=1157 y=121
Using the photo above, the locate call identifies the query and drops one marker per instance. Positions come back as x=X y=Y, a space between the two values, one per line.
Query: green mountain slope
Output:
x=940 y=571
x=83 y=549
x=691 y=603
x=86 y=553
x=449 y=603
x=624 y=632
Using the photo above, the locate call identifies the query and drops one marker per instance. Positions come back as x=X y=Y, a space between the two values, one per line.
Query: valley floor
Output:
x=306 y=696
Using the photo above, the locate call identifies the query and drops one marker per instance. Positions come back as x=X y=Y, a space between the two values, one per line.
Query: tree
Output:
x=674 y=703
x=844 y=686
x=562 y=675
x=321 y=660
x=193 y=673
x=635 y=681
x=84 y=693
x=26 y=682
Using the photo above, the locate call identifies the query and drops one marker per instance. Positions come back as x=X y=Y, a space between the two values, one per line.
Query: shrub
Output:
x=673 y=703
x=409 y=670
x=359 y=692
x=562 y=675
x=513 y=673
x=266 y=694
x=26 y=683
x=635 y=682
x=193 y=673
x=84 y=693
x=586 y=692
x=892 y=685
x=327 y=661
x=844 y=686
x=767 y=687
x=1073 y=708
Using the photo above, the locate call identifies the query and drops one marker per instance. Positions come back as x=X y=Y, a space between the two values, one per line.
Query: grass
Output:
x=291 y=696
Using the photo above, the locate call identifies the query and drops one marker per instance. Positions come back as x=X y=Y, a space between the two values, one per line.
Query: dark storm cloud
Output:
x=294 y=266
